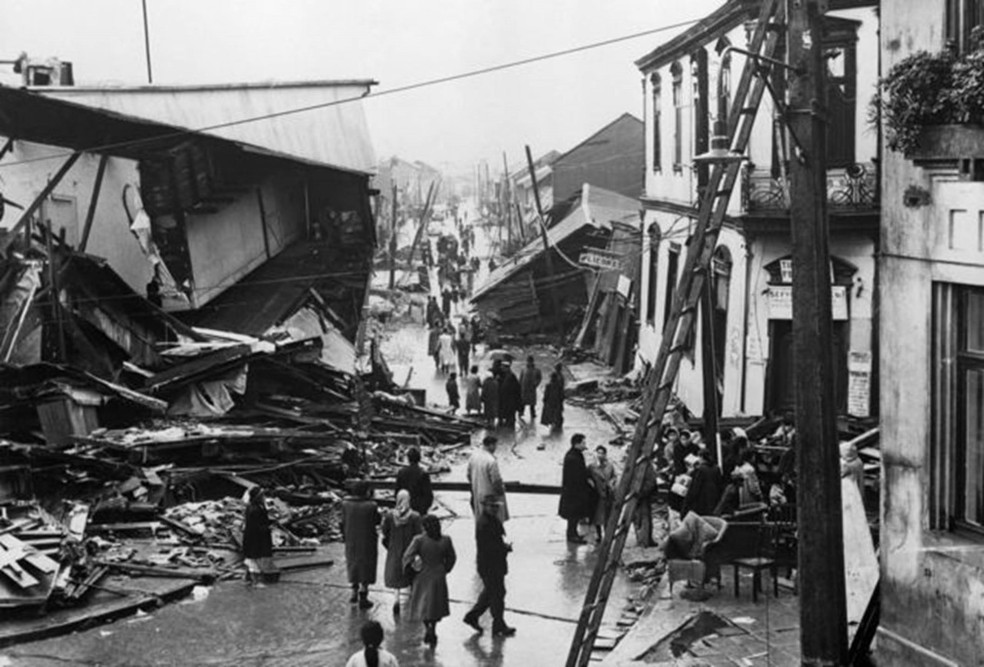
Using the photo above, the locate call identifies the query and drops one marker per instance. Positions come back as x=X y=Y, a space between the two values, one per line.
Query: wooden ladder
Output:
x=677 y=332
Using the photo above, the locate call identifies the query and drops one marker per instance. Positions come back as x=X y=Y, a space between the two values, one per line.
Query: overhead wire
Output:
x=133 y=143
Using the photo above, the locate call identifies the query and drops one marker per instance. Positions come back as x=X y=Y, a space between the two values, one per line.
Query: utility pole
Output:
x=551 y=288
x=392 y=282
x=150 y=74
x=823 y=609
x=504 y=208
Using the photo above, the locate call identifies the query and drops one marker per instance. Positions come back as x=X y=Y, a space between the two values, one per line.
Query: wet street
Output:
x=306 y=619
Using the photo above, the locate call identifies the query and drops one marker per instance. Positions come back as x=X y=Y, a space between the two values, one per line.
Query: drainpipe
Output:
x=744 y=323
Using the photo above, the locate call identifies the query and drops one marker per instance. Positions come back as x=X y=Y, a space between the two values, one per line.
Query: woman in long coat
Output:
x=445 y=347
x=360 y=517
x=257 y=542
x=553 y=403
x=429 y=594
x=400 y=526
x=603 y=476
x=473 y=392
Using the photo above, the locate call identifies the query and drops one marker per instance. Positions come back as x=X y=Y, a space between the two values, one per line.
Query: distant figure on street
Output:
x=603 y=478
x=529 y=379
x=372 y=655
x=492 y=264
x=360 y=517
x=575 y=488
x=454 y=396
x=417 y=482
x=463 y=348
x=553 y=403
x=473 y=392
x=433 y=346
x=491 y=553
x=445 y=350
x=433 y=312
x=490 y=399
x=446 y=300
x=510 y=397
x=706 y=487
x=257 y=542
x=484 y=478
x=429 y=594
x=400 y=525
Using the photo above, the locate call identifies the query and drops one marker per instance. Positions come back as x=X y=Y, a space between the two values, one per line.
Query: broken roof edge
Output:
x=168 y=131
x=177 y=88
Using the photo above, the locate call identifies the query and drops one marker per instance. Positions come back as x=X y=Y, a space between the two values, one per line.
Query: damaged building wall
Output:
x=26 y=170
x=932 y=557
x=226 y=245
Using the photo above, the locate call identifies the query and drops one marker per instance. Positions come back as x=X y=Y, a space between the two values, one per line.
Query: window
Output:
x=962 y=16
x=654 y=237
x=958 y=407
x=841 y=57
x=657 y=106
x=677 y=72
x=672 y=268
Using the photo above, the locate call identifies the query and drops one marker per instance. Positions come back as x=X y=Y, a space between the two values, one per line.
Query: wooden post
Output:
x=823 y=609
x=709 y=367
x=392 y=282
x=29 y=211
x=263 y=220
x=91 y=214
x=546 y=248
x=53 y=293
x=421 y=229
x=504 y=208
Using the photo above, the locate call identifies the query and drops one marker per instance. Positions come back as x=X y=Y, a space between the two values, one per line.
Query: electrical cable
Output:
x=382 y=93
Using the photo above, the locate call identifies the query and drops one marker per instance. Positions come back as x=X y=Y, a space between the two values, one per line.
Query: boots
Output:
x=355 y=595
x=364 y=602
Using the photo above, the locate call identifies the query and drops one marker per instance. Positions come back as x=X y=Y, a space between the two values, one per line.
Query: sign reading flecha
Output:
x=781 y=302
x=601 y=259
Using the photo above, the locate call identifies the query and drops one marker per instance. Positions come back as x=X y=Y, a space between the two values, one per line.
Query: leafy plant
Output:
x=931 y=89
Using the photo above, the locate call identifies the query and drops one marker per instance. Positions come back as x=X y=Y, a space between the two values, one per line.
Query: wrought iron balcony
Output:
x=848 y=188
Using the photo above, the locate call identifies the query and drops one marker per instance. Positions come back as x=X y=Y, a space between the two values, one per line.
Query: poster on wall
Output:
x=859 y=384
x=781 y=302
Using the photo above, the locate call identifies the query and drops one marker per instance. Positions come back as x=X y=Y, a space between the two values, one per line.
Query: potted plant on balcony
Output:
x=932 y=105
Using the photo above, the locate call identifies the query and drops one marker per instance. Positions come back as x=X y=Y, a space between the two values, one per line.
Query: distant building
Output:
x=931 y=306
x=689 y=84
x=612 y=158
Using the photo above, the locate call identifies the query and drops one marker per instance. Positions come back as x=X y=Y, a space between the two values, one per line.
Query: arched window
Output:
x=720 y=294
x=676 y=71
x=653 y=239
x=657 y=109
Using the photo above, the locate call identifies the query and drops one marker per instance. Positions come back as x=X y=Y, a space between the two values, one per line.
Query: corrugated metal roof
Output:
x=335 y=136
x=597 y=208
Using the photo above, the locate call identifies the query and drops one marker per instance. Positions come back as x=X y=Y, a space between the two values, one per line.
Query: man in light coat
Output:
x=484 y=478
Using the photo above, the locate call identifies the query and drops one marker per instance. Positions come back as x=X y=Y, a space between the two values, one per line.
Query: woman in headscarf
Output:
x=400 y=526
x=257 y=542
x=434 y=554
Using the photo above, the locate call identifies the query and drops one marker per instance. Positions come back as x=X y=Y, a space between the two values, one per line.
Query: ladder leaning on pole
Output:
x=676 y=333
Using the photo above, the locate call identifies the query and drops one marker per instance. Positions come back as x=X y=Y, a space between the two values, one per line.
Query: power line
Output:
x=382 y=93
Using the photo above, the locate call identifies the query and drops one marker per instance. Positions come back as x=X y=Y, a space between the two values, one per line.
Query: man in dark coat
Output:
x=575 y=488
x=417 y=481
x=492 y=550
x=510 y=397
x=706 y=487
x=257 y=543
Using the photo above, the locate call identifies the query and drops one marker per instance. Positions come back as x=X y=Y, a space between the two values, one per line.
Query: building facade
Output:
x=687 y=84
x=931 y=272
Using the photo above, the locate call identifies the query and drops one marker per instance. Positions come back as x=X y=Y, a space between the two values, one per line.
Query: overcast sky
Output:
x=550 y=105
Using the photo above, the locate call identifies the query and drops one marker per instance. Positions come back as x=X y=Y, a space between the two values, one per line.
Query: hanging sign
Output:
x=601 y=259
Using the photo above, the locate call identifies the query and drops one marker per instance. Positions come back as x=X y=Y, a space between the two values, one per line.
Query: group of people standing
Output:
x=502 y=397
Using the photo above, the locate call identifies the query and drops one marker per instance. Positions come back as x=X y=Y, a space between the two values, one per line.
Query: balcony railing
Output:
x=848 y=188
